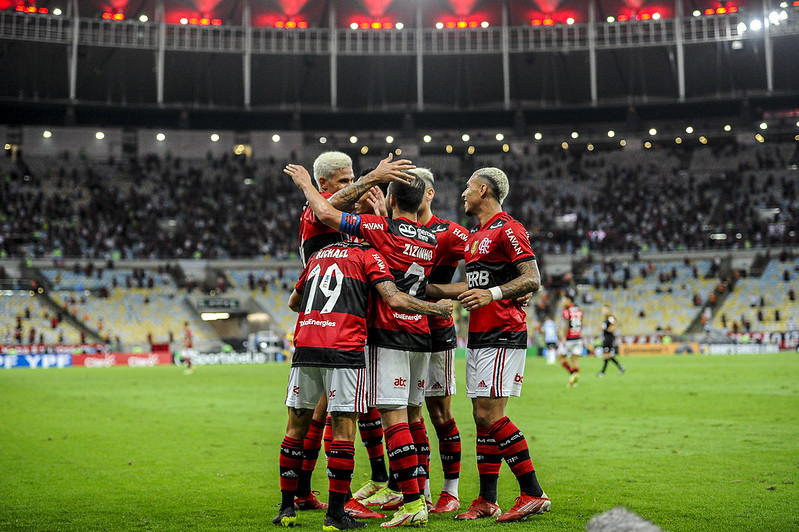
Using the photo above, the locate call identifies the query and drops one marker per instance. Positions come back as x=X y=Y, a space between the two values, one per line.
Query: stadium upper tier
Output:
x=669 y=197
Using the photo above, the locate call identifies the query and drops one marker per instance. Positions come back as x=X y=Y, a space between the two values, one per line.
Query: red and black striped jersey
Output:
x=492 y=253
x=409 y=250
x=335 y=287
x=450 y=245
x=574 y=321
x=314 y=235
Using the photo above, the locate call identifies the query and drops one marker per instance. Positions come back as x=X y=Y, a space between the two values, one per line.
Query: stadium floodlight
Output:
x=99 y=135
x=213 y=316
x=760 y=138
x=364 y=150
x=611 y=134
x=470 y=150
x=465 y=137
x=678 y=140
x=439 y=25
x=538 y=136
x=399 y=25
x=697 y=13
x=143 y=18
x=354 y=26
x=756 y=25
x=160 y=137
x=783 y=4
x=611 y=19
x=427 y=138
x=703 y=140
x=322 y=140
x=653 y=131
x=763 y=126
x=647 y=145
x=656 y=16
x=590 y=147
x=564 y=145
x=484 y=24
x=275 y=138
x=184 y=21
x=389 y=139
x=398 y=151
x=500 y=137
x=689 y=130
x=570 y=21
x=47 y=133
x=797 y=124
x=57 y=11
x=353 y=139
x=622 y=143
x=214 y=137
x=727 y=128
x=505 y=148
x=741 y=28
x=448 y=148
x=575 y=134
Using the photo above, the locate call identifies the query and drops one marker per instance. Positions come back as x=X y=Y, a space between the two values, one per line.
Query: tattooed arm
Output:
x=529 y=280
x=386 y=172
x=406 y=303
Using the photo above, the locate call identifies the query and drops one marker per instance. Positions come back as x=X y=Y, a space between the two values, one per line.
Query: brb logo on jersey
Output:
x=477 y=279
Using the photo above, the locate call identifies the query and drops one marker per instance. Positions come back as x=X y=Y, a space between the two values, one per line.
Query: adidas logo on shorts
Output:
x=437 y=386
x=482 y=384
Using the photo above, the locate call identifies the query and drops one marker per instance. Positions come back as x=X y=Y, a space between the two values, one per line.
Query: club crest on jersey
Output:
x=484 y=245
x=407 y=230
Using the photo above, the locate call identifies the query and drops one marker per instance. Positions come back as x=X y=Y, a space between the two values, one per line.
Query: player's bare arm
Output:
x=406 y=303
x=295 y=300
x=445 y=291
x=324 y=211
x=529 y=280
x=386 y=172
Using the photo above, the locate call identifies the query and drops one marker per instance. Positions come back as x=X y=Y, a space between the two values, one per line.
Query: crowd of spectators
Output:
x=570 y=200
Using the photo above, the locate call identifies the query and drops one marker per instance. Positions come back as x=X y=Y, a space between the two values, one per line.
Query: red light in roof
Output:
x=549 y=22
x=302 y=24
x=376 y=25
x=462 y=24
x=20 y=8
x=450 y=24
x=43 y=10
x=623 y=18
x=536 y=22
x=710 y=11
x=388 y=25
x=291 y=24
x=31 y=9
x=734 y=9
x=279 y=24
x=473 y=24
x=646 y=16
x=205 y=22
x=364 y=25
x=216 y=21
x=193 y=20
x=107 y=15
x=118 y=16
x=721 y=11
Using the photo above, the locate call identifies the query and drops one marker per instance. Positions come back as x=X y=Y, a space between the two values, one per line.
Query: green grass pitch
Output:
x=690 y=442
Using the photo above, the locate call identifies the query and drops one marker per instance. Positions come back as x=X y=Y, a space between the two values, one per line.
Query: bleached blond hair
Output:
x=497 y=182
x=328 y=163
x=426 y=175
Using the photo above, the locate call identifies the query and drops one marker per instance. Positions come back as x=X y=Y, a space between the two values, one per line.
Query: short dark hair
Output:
x=408 y=196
